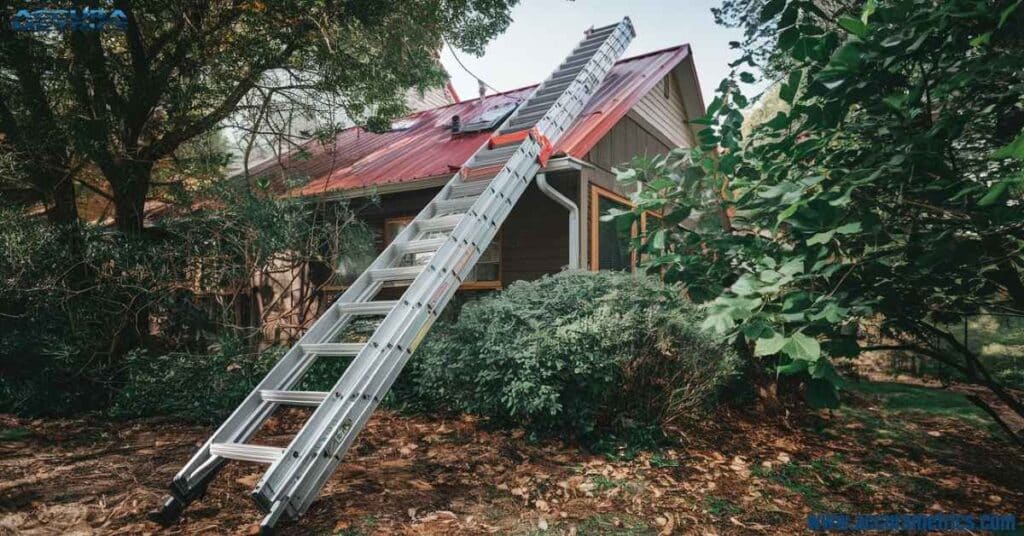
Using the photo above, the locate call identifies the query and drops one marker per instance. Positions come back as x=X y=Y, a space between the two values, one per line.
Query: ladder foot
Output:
x=168 y=513
x=267 y=525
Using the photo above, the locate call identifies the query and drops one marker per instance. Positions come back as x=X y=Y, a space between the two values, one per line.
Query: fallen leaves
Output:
x=417 y=476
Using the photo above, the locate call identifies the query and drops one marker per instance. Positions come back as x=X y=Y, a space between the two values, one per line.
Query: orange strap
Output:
x=545 y=149
x=502 y=140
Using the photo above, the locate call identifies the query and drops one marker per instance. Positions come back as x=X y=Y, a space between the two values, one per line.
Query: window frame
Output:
x=597 y=192
x=492 y=284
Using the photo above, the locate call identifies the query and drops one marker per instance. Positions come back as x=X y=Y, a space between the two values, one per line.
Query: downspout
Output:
x=574 y=218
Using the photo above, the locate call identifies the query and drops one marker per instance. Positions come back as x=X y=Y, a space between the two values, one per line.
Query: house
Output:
x=642 y=108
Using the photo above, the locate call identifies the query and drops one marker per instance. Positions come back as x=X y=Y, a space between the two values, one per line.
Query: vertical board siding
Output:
x=624 y=141
x=535 y=237
x=666 y=113
x=434 y=97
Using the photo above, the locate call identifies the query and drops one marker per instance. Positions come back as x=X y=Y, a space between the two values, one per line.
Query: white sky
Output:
x=543 y=32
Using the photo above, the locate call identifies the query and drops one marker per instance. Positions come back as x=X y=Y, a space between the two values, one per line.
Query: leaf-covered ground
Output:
x=894 y=448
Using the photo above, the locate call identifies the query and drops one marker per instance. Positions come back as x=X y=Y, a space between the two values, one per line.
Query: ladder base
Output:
x=174 y=504
x=169 y=513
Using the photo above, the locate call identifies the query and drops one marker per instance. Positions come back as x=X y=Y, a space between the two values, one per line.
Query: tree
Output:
x=890 y=188
x=123 y=101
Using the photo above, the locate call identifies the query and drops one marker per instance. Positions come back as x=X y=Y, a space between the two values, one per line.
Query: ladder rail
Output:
x=385 y=368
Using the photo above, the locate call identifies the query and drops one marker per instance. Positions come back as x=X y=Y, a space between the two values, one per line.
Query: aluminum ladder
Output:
x=453 y=230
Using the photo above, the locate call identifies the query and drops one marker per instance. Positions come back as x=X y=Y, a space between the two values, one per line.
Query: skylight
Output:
x=491 y=118
x=402 y=124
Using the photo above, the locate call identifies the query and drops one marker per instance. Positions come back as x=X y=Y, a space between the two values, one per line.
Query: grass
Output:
x=614 y=525
x=604 y=483
x=717 y=506
x=659 y=460
x=899 y=397
x=813 y=480
x=902 y=403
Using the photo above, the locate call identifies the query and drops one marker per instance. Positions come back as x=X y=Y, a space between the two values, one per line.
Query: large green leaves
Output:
x=874 y=185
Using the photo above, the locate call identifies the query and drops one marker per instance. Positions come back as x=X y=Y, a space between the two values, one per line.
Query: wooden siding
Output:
x=624 y=141
x=535 y=237
x=430 y=98
x=662 y=108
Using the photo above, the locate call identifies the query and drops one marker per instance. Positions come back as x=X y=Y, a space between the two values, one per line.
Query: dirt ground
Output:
x=894 y=448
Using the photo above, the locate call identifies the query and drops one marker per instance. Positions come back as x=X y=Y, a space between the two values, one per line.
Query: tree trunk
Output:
x=130 y=184
x=62 y=204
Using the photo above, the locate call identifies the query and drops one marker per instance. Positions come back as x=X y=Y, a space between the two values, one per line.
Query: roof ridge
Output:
x=622 y=60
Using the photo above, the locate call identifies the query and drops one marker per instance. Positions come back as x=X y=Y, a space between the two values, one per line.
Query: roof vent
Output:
x=456 y=123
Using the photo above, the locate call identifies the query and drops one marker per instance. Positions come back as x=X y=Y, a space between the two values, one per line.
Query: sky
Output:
x=543 y=32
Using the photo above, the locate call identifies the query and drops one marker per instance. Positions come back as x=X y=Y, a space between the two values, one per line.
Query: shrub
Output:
x=196 y=387
x=576 y=352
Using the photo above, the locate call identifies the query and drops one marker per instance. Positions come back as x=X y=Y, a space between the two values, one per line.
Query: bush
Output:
x=202 y=388
x=577 y=351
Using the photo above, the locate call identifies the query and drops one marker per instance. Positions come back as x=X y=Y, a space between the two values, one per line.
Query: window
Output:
x=403 y=124
x=491 y=118
x=486 y=274
x=609 y=245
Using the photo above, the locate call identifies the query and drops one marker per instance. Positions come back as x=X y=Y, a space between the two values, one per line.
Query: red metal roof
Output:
x=427 y=149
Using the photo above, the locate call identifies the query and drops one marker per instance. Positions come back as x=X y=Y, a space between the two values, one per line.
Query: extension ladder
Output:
x=453 y=229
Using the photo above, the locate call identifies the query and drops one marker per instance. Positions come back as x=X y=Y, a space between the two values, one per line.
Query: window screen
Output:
x=488 y=268
x=612 y=243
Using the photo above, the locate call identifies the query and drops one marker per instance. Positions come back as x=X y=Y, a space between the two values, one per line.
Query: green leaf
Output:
x=1014 y=150
x=625 y=175
x=792 y=267
x=820 y=238
x=720 y=322
x=772 y=8
x=790 y=210
x=800 y=346
x=982 y=39
x=869 y=9
x=855 y=26
x=745 y=285
x=658 y=241
x=849 y=228
x=994 y=193
x=771 y=345
x=746 y=78
x=793 y=367
x=788 y=90
x=832 y=313
x=1007 y=12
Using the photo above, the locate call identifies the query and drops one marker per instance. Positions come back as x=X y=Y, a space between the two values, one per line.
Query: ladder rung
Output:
x=401 y=273
x=588 y=48
x=577 y=60
x=458 y=204
x=426 y=245
x=498 y=155
x=334 y=349
x=247 y=453
x=366 y=308
x=532 y=116
x=469 y=188
x=439 y=224
x=595 y=37
x=294 y=398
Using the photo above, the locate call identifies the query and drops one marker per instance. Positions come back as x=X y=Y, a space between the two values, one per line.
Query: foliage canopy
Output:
x=889 y=187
